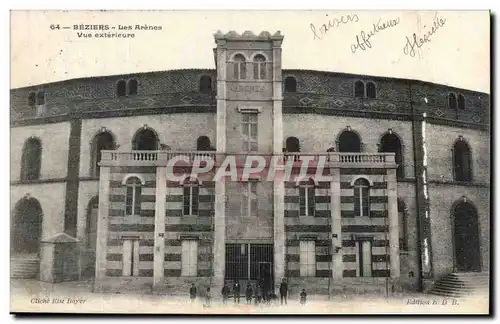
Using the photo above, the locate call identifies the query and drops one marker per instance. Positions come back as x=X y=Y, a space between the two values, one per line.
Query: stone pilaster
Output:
x=279 y=231
x=221 y=95
x=423 y=218
x=336 y=221
x=160 y=214
x=219 y=249
x=277 y=99
x=393 y=224
x=219 y=241
x=102 y=223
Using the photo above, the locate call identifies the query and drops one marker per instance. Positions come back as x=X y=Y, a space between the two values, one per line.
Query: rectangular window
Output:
x=189 y=258
x=364 y=258
x=249 y=132
x=130 y=260
x=307 y=201
x=307 y=259
x=362 y=201
x=133 y=200
x=190 y=200
x=249 y=201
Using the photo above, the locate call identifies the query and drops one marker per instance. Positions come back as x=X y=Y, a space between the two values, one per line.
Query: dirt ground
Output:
x=76 y=297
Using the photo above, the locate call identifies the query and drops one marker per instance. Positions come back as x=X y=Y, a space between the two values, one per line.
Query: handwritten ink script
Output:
x=363 y=38
x=417 y=42
x=321 y=32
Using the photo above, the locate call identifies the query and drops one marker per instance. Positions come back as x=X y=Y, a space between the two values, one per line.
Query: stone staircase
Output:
x=461 y=284
x=25 y=268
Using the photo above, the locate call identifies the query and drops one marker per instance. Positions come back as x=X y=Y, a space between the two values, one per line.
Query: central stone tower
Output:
x=249 y=121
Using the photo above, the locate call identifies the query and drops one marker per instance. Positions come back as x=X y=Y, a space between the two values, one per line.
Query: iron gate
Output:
x=247 y=261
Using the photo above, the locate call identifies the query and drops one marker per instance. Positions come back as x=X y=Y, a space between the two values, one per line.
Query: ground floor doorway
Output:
x=250 y=263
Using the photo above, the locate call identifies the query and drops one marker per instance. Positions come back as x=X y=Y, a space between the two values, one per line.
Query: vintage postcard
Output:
x=250 y=162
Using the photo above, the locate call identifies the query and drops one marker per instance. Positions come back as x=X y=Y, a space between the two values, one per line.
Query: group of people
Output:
x=261 y=294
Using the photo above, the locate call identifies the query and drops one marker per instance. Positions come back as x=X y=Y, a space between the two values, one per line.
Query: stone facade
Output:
x=179 y=110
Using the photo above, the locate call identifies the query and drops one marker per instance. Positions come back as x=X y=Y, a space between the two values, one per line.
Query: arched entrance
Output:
x=203 y=144
x=466 y=238
x=102 y=141
x=88 y=267
x=390 y=143
x=145 y=140
x=349 y=142
x=26 y=228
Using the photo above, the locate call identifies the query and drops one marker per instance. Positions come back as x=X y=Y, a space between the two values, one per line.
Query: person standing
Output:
x=225 y=293
x=192 y=292
x=236 y=292
x=303 y=297
x=208 y=298
x=283 y=291
x=249 y=293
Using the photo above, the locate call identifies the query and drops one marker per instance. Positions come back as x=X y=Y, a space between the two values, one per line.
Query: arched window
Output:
x=461 y=102
x=402 y=216
x=452 y=101
x=259 y=67
x=102 y=141
x=145 y=139
x=290 y=84
x=292 y=144
x=91 y=228
x=239 y=67
x=133 y=197
x=191 y=198
x=359 y=89
x=121 y=88
x=462 y=161
x=203 y=144
x=132 y=87
x=32 y=98
x=40 y=98
x=361 y=197
x=349 y=141
x=307 y=198
x=206 y=84
x=390 y=143
x=371 y=92
x=31 y=159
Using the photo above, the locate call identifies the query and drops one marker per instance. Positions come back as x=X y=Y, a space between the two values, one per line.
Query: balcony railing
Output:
x=162 y=158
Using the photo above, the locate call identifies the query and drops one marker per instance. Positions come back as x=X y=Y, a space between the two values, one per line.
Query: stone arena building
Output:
x=409 y=199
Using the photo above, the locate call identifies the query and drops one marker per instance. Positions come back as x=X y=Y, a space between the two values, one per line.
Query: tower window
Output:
x=239 y=67
x=259 y=67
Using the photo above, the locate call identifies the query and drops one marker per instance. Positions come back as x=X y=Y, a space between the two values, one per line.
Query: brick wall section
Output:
x=317 y=226
x=138 y=225
x=178 y=225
